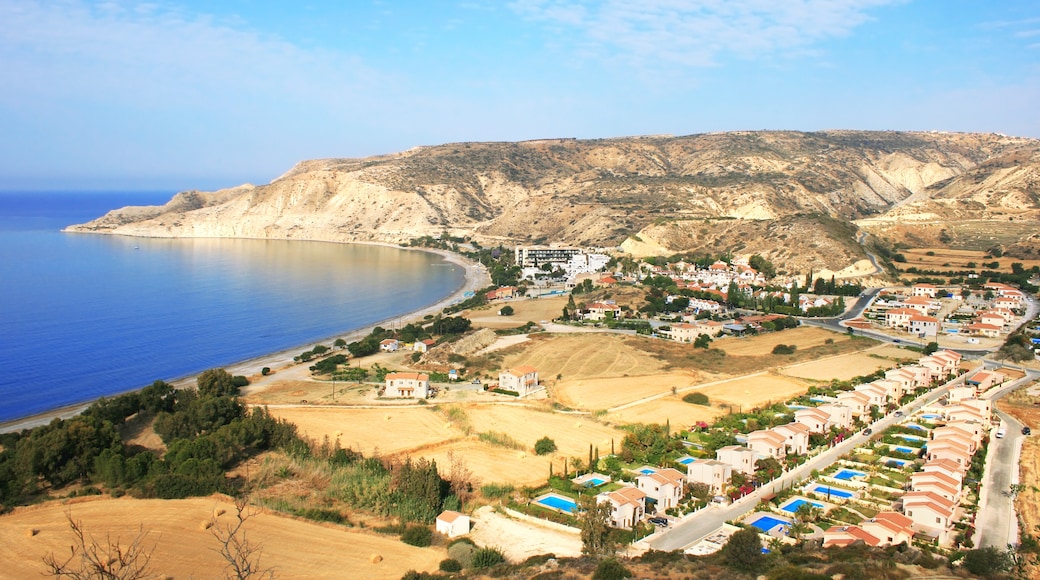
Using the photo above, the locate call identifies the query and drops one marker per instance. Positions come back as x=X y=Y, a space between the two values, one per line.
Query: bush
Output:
x=486 y=558
x=505 y=311
x=696 y=398
x=265 y=371
x=462 y=553
x=785 y=348
x=450 y=565
x=419 y=536
x=544 y=446
x=611 y=569
x=496 y=491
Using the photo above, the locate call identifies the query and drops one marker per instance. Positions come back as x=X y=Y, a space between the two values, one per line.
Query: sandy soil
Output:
x=184 y=549
x=521 y=539
x=604 y=393
x=804 y=337
x=572 y=433
x=524 y=310
x=1022 y=406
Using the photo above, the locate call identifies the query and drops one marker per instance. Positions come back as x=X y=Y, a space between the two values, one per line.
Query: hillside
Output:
x=789 y=195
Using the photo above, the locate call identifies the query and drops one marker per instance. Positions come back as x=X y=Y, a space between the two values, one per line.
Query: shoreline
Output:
x=475 y=277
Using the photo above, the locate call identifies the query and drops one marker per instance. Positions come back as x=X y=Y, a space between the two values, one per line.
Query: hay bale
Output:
x=219 y=512
x=31 y=532
x=205 y=525
x=376 y=558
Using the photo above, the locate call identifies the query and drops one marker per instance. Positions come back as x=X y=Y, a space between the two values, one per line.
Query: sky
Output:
x=124 y=95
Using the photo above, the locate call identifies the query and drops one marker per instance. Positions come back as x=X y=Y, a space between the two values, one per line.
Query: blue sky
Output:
x=183 y=95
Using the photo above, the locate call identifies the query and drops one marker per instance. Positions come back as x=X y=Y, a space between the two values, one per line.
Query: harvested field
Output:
x=762 y=344
x=754 y=391
x=670 y=408
x=524 y=311
x=572 y=433
x=583 y=355
x=944 y=259
x=387 y=431
x=493 y=464
x=183 y=549
x=604 y=393
x=842 y=367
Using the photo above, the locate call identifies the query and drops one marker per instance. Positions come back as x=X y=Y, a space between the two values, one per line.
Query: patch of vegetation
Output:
x=500 y=439
x=696 y=398
x=544 y=446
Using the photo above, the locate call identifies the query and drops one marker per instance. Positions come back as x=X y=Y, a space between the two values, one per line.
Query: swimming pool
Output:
x=594 y=482
x=797 y=407
x=915 y=426
x=931 y=416
x=902 y=449
x=906 y=437
x=557 y=502
x=848 y=474
x=647 y=471
x=685 y=460
x=766 y=523
x=832 y=491
x=793 y=505
x=892 y=462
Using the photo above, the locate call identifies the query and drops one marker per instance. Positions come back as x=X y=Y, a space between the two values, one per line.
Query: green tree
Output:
x=987 y=561
x=339 y=343
x=743 y=551
x=611 y=569
x=702 y=341
x=216 y=383
x=594 y=523
x=544 y=446
x=506 y=310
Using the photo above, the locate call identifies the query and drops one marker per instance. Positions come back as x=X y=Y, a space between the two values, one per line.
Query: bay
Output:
x=84 y=316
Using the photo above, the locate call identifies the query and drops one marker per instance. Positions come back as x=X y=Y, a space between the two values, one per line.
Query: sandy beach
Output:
x=476 y=277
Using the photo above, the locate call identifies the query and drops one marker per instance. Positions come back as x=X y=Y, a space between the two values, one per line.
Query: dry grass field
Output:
x=584 y=355
x=572 y=433
x=670 y=408
x=753 y=391
x=530 y=310
x=804 y=337
x=843 y=367
x=184 y=549
x=493 y=464
x=947 y=259
x=593 y=394
x=386 y=431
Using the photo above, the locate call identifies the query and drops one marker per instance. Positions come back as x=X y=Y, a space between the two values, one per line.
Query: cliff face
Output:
x=784 y=194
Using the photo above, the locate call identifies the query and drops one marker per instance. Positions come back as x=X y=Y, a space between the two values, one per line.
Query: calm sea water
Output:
x=84 y=316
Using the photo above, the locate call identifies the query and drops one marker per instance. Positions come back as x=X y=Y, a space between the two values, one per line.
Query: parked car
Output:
x=899 y=413
x=658 y=521
x=867 y=431
x=1026 y=430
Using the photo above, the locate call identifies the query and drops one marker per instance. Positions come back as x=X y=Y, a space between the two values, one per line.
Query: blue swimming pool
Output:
x=793 y=505
x=931 y=416
x=848 y=474
x=915 y=426
x=766 y=523
x=685 y=460
x=594 y=482
x=894 y=462
x=557 y=502
x=832 y=491
x=647 y=471
x=902 y=449
x=906 y=437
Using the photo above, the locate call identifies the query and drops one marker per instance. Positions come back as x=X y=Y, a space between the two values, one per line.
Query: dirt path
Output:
x=520 y=539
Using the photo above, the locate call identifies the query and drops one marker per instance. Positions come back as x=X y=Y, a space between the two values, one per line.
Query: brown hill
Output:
x=786 y=194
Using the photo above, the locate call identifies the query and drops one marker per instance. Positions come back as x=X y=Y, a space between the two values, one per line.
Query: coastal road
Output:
x=699 y=524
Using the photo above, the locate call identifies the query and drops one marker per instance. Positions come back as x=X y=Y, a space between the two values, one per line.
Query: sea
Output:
x=84 y=316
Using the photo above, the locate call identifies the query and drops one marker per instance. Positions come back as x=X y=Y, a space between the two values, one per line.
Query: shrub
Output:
x=611 y=569
x=462 y=553
x=496 y=491
x=486 y=558
x=544 y=446
x=420 y=536
x=784 y=348
x=506 y=311
x=450 y=565
x=265 y=371
x=696 y=398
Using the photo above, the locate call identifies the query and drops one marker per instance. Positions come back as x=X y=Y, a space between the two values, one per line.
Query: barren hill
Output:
x=789 y=195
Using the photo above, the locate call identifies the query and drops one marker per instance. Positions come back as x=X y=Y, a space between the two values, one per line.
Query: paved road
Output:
x=702 y=523
x=996 y=523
